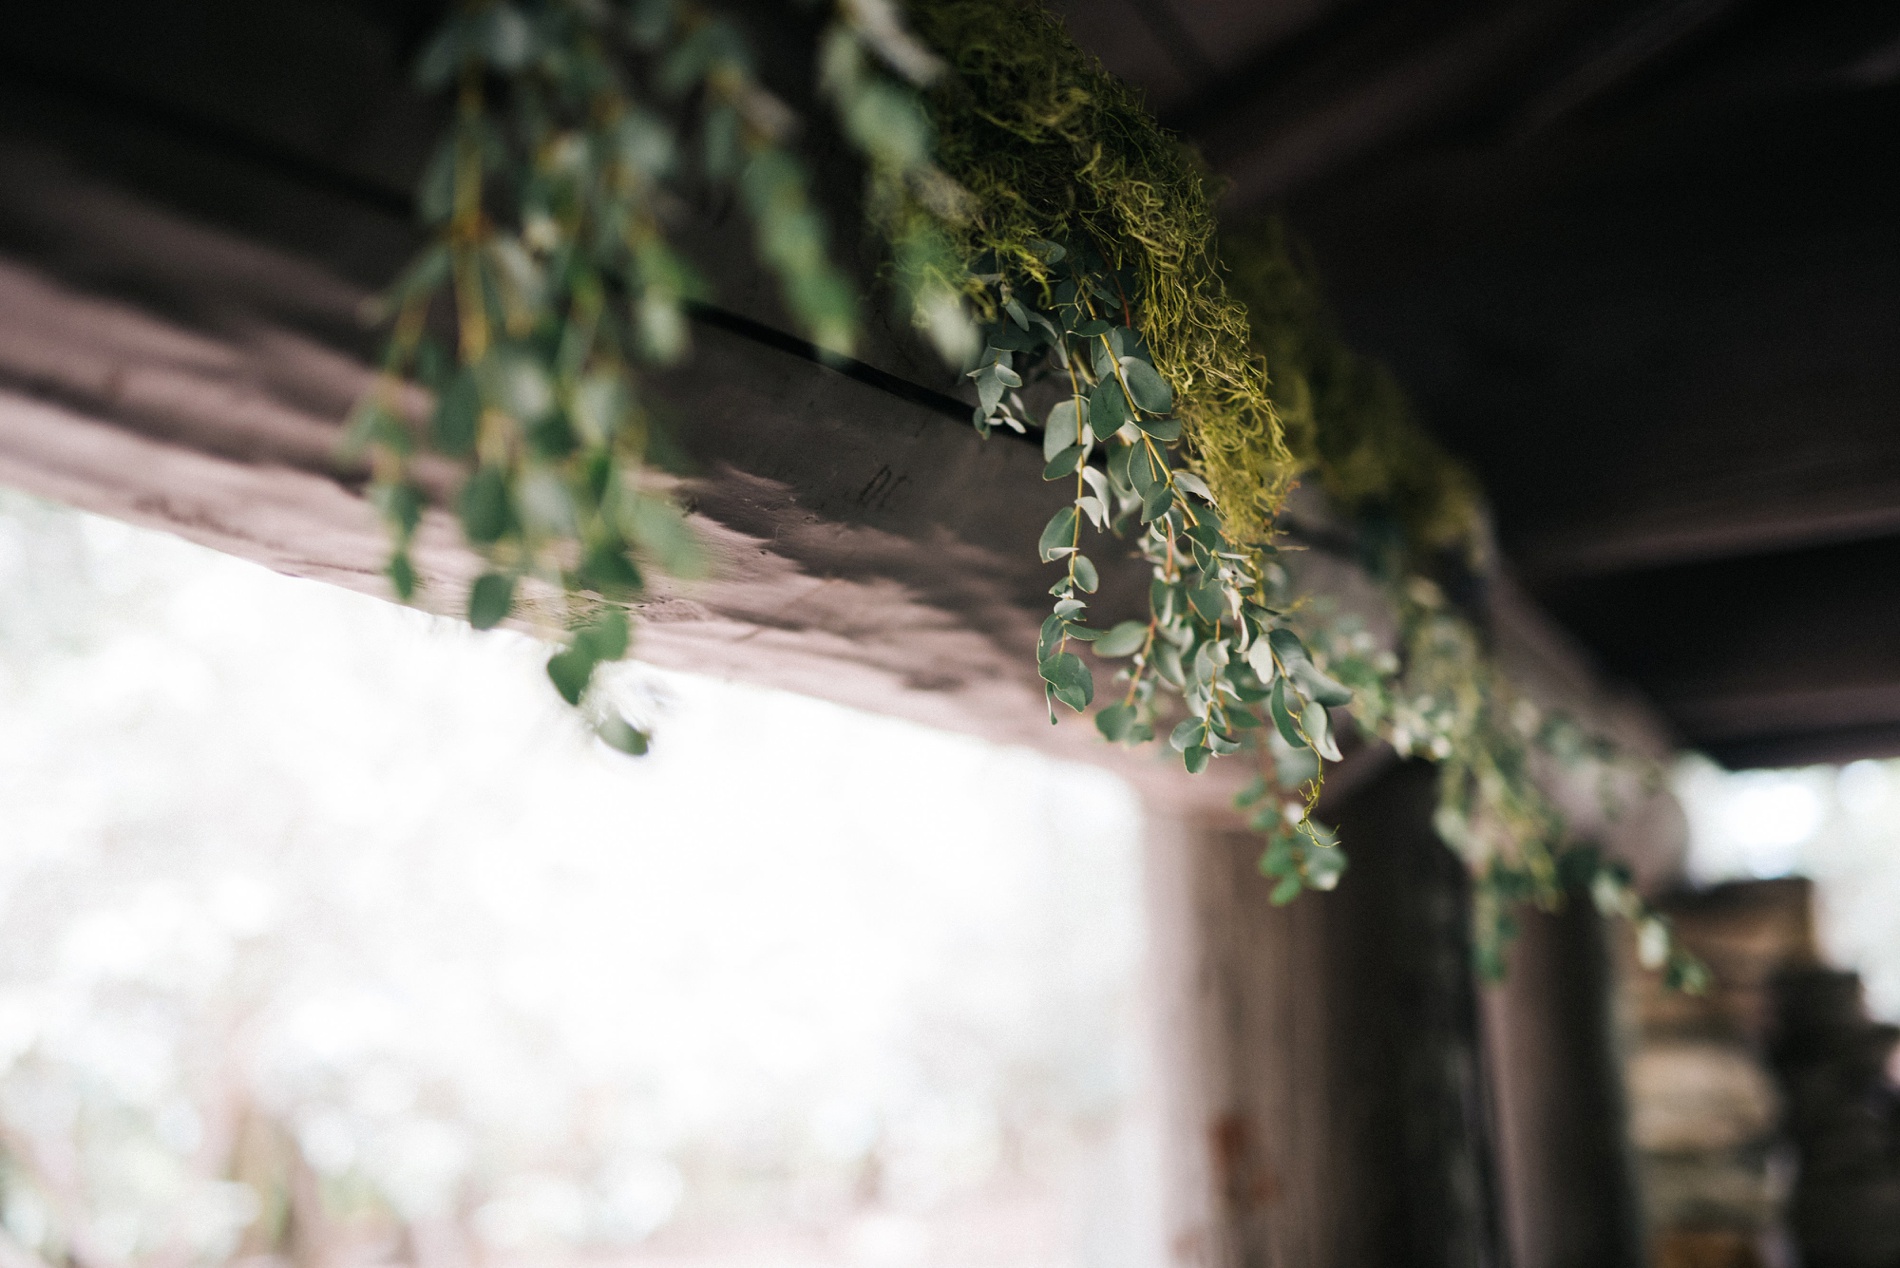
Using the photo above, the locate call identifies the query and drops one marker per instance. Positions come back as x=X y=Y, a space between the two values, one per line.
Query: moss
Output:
x=1347 y=420
x=1051 y=146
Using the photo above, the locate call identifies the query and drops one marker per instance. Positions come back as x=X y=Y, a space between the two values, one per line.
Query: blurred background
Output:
x=329 y=935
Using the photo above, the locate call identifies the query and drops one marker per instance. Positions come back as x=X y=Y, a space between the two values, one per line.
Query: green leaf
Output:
x=606 y=570
x=1124 y=640
x=1143 y=471
x=1187 y=734
x=1163 y=429
x=1319 y=687
x=1318 y=725
x=1108 y=409
x=1063 y=464
x=1260 y=659
x=517 y=383
x=1093 y=328
x=1058 y=538
x=402 y=504
x=1150 y=391
x=1064 y=428
x=457 y=412
x=1285 y=892
x=402 y=575
x=1156 y=501
x=1195 y=759
x=989 y=389
x=1283 y=717
x=1053 y=628
x=485 y=511
x=444 y=54
x=1115 y=721
x=490 y=599
x=570 y=670
x=665 y=536
x=1209 y=598
x=1086 y=578
x=607 y=637
x=1069 y=680
x=510 y=39
x=1288 y=647
x=616 y=732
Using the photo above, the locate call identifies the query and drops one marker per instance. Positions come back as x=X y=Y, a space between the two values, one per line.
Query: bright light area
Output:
x=328 y=936
x=1838 y=825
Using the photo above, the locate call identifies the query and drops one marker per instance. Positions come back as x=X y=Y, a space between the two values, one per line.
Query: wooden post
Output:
x=1352 y=1125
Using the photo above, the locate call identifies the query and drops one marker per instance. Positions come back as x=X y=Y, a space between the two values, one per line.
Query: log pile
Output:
x=1843 y=1116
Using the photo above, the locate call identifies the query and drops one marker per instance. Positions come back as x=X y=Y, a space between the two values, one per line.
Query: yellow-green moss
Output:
x=1051 y=146
x=1346 y=418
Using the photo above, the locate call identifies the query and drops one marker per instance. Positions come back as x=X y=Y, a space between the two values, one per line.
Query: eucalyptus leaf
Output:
x=1283 y=717
x=402 y=575
x=989 y=389
x=570 y=670
x=1209 y=599
x=1162 y=429
x=1115 y=721
x=1086 y=578
x=1058 y=537
x=1288 y=647
x=1069 y=680
x=1260 y=659
x=484 y=504
x=1064 y=426
x=1145 y=384
x=618 y=733
x=1108 y=409
x=490 y=599
x=1125 y=639
x=1167 y=662
x=1318 y=725
x=1064 y=463
x=1317 y=686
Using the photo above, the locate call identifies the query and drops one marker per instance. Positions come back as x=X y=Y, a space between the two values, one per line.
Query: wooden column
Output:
x=1352 y=1125
x=1569 y=1192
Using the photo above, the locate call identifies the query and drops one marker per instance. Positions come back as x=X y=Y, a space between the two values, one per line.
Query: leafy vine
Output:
x=1052 y=240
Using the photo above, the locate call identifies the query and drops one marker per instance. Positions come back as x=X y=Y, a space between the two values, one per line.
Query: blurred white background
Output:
x=1839 y=826
x=328 y=936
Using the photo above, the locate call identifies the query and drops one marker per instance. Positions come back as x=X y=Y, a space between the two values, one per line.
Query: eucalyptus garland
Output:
x=576 y=124
x=1438 y=695
x=1217 y=638
x=1048 y=237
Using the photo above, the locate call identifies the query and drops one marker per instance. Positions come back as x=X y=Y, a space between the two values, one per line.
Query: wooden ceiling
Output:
x=1639 y=265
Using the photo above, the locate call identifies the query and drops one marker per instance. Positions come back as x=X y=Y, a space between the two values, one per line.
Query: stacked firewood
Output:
x=1705 y=1113
x=1843 y=1116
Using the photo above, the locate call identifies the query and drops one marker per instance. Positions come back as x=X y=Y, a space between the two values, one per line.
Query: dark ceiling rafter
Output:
x=1175 y=39
x=1639 y=262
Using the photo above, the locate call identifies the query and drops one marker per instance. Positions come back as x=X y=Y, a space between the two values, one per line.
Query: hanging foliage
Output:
x=1051 y=147
x=1054 y=242
x=1440 y=696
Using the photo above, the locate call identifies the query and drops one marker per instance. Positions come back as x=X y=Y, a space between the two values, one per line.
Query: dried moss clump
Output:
x=1347 y=420
x=1051 y=146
